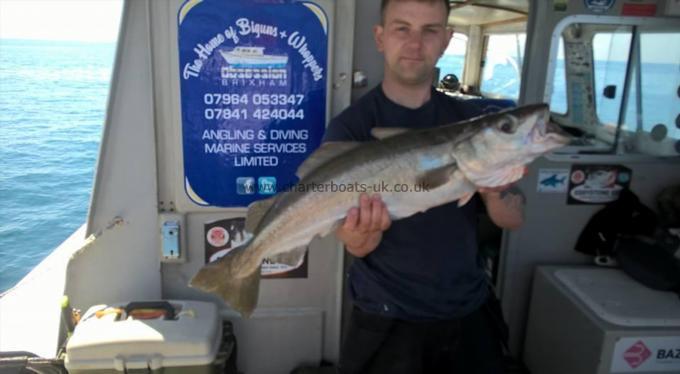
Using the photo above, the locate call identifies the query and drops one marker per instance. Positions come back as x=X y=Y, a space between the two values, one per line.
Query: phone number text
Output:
x=254 y=99
x=260 y=114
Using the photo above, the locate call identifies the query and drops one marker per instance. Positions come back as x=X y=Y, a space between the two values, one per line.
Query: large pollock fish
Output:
x=451 y=161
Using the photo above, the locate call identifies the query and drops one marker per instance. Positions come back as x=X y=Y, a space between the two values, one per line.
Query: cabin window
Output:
x=652 y=104
x=610 y=54
x=622 y=87
x=558 y=100
x=502 y=65
x=453 y=59
x=659 y=84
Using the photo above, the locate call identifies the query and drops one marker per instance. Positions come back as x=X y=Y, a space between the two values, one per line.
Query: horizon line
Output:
x=108 y=41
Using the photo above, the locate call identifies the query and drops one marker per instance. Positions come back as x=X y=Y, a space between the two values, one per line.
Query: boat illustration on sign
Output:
x=253 y=57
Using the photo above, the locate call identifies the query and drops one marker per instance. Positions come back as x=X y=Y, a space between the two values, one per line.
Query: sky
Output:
x=77 y=20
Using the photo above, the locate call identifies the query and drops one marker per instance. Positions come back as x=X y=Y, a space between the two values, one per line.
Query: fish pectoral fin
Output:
x=323 y=154
x=290 y=258
x=436 y=177
x=517 y=173
x=466 y=188
x=387 y=132
x=256 y=212
x=465 y=199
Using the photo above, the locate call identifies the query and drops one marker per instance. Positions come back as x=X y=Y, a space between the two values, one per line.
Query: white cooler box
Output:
x=589 y=320
x=111 y=340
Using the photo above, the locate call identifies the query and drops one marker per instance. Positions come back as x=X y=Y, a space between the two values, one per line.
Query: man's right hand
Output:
x=363 y=227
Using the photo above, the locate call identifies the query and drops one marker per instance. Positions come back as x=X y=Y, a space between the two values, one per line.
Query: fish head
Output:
x=502 y=144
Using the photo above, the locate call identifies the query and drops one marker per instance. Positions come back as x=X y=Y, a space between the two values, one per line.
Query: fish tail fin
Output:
x=232 y=279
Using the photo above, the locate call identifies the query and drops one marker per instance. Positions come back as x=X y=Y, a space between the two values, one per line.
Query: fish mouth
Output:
x=549 y=133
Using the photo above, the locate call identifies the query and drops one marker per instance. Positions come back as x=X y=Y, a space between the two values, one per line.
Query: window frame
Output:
x=602 y=132
x=564 y=77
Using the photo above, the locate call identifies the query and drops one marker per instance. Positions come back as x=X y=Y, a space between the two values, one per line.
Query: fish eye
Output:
x=507 y=125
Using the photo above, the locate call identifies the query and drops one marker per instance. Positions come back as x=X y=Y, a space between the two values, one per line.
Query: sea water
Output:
x=52 y=107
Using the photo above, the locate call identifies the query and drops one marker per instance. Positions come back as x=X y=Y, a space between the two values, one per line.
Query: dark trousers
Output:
x=380 y=345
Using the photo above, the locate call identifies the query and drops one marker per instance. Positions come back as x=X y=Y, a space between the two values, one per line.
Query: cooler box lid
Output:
x=619 y=299
x=106 y=340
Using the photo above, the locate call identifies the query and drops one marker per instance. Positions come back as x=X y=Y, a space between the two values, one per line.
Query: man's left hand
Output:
x=505 y=204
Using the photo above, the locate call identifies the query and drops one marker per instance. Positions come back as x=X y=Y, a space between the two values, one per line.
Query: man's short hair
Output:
x=384 y=3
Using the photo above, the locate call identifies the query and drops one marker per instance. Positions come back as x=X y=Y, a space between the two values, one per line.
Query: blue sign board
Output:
x=253 y=91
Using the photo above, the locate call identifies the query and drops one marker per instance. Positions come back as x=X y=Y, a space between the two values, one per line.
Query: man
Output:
x=419 y=292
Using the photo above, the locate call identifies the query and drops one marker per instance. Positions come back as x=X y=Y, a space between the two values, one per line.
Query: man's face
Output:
x=412 y=38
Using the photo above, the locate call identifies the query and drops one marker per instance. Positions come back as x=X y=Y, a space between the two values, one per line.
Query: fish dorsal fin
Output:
x=324 y=153
x=437 y=177
x=290 y=258
x=386 y=132
x=256 y=212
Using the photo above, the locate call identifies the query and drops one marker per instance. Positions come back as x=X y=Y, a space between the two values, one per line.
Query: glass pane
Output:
x=503 y=65
x=453 y=59
x=558 y=99
x=610 y=52
x=651 y=117
x=660 y=59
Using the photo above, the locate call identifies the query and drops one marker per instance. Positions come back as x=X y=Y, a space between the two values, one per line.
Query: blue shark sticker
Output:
x=553 y=180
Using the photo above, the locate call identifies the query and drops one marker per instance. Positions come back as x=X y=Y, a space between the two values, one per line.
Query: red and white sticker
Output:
x=217 y=236
x=646 y=354
x=639 y=9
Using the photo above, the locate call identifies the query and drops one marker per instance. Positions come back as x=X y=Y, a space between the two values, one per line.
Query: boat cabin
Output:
x=193 y=136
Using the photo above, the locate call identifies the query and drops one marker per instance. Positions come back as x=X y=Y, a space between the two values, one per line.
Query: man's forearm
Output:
x=506 y=208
